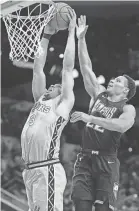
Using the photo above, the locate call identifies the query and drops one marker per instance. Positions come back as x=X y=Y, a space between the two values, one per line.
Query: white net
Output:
x=24 y=32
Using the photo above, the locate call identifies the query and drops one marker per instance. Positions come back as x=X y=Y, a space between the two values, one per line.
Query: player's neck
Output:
x=51 y=96
x=116 y=98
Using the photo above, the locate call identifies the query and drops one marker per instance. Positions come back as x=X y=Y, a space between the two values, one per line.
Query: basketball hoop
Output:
x=24 y=32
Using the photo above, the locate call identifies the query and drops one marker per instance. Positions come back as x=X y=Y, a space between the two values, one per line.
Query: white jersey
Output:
x=40 y=138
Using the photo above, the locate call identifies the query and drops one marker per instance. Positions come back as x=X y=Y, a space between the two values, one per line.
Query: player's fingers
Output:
x=70 y=13
x=75 y=119
x=74 y=13
x=69 y=17
x=79 y=21
x=75 y=115
x=84 y=20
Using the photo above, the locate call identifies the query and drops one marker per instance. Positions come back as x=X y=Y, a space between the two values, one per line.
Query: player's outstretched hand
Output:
x=79 y=116
x=72 y=18
x=81 y=28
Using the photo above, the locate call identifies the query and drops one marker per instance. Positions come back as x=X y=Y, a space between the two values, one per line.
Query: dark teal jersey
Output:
x=97 y=138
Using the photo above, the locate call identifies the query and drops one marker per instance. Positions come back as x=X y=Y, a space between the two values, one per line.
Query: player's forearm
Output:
x=39 y=62
x=109 y=124
x=89 y=76
x=69 y=55
x=83 y=55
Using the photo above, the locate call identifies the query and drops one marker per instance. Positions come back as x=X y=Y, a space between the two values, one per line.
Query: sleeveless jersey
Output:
x=97 y=138
x=40 y=138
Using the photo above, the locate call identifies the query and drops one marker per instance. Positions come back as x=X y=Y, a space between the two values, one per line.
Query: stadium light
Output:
x=53 y=69
x=61 y=56
x=75 y=73
x=137 y=82
x=130 y=149
x=51 y=49
x=101 y=79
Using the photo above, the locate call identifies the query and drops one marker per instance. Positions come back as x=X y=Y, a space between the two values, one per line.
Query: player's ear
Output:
x=126 y=90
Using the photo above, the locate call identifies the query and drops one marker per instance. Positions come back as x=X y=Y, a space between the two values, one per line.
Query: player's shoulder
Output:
x=93 y=99
x=102 y=89
x=129 y=108
x=69 y=100
x=102 y=94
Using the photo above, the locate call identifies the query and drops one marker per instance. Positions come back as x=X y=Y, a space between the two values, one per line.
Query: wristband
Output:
x=47 y=36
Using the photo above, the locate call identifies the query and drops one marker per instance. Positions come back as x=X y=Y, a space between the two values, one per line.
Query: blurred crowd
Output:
x=13 y=119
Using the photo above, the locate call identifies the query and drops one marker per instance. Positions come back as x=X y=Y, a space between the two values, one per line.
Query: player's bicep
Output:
x=38 y=85
x=66 y=106
x=128 y=117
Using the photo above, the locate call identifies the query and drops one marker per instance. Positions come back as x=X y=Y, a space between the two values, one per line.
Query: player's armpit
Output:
x=66 y=105
x=91 y=84
x=67 y=94
x=38 y=85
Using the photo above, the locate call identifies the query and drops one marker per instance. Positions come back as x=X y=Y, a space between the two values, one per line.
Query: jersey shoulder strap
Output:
x=102 y=94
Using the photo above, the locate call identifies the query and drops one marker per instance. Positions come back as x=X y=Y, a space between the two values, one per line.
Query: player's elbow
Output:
x=121 y=129
x=126 y=126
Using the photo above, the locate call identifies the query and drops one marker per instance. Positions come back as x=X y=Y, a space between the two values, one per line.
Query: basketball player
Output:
x=96 y=176
x=44 y=176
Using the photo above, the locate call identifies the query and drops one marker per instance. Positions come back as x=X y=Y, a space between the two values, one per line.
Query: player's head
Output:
x=54 y=90
x=122 y=86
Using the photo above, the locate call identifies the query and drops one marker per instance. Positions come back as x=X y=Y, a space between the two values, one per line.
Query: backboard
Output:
x=8 y=6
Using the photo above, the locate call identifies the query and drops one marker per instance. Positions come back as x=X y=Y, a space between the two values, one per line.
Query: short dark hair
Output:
x=131 y=86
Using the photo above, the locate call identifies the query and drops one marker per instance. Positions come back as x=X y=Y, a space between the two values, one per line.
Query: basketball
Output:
x=61 y=20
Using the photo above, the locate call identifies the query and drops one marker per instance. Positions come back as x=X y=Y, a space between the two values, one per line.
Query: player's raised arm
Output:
x=67 y=94
x=39 y=79
x=90 y=81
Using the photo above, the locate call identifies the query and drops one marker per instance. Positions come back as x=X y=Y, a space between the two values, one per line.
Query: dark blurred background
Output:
x=113 y=44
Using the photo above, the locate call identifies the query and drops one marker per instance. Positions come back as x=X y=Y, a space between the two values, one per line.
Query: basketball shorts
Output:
x=96 y=178
x=45 y=187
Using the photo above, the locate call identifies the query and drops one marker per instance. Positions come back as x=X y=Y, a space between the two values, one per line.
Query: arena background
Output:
x=113 y=44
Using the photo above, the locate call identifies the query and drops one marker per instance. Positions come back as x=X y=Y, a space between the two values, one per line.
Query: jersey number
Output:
x=32 y=119
x=95 y=127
